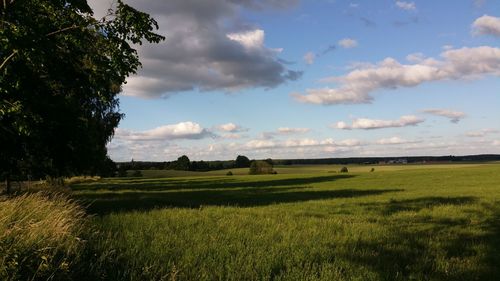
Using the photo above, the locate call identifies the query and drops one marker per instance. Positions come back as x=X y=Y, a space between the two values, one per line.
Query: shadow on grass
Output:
x=200 y=183
x=102 y=203
x=423 y=248
x=417 y=204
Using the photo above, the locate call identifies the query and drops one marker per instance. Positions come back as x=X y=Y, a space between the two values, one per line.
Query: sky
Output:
x=289 y=79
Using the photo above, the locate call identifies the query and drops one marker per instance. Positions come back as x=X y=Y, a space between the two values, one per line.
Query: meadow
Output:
x=406 y=222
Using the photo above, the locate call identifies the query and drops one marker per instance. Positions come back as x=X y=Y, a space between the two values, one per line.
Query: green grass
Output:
x=408 y=222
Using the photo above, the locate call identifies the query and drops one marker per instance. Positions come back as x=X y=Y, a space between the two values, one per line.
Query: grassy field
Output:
x=408 y=222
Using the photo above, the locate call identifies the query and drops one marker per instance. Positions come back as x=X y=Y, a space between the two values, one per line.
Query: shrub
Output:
x=40 y=237
x=344 y=170
x=137 y=173
x=229 y=173
x=372 y=170
x=260 y=167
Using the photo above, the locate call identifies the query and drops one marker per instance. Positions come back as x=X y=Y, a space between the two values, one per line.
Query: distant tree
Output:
x=269 y=161
x=182 y=163
x=372 y=170
x=258 y=167
x=242 y=162
x=60 y=73
x=229 y=173
x=137 y=173
x=344 y=170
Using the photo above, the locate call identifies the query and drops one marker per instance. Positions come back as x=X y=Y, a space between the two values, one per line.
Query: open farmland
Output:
x=408 y=222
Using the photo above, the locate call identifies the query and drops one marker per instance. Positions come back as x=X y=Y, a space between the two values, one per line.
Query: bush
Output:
x=372 y=170
x=344 y=170
x=229 y=173
x=137 y=173
x=260 y=168
x=40 y=237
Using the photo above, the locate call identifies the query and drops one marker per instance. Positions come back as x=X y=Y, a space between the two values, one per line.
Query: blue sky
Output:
x=309 y=79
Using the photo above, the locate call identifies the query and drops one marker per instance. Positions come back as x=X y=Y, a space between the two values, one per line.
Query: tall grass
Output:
x=40 y=237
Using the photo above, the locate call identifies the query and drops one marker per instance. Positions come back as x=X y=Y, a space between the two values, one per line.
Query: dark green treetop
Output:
x=60 y=72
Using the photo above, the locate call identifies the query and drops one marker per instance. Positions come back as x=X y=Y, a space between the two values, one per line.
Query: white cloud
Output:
x=252 y=39
x=447 y=47
x=259 y=144
x=415 y=57
x=296 y=148
x=230 y=127
x=487 y=25
x=454 y=116
x=209 y=46
x=394 y=141
x=287 y=130
x=284 y=131
x=232 y=136
x=309 y=57
x=304 y=142
x=369 y=124
x=348 y=43
x=355 y=87
x=182 y=130
x=406 y=5
x=481 y=133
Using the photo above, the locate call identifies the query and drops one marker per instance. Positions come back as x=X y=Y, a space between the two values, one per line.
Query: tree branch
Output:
x=61 y=30
x=7 y=59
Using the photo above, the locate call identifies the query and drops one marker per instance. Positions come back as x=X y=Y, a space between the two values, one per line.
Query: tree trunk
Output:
x=7 y=185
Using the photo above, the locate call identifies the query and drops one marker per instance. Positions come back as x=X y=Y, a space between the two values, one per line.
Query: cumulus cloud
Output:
x=309 y=57
x=348 y=43
x=370 y=124
x=487 y=25
x=182 y=130
x=231 y=128
x=356 y=86
x=454 y=116
x=409 y=6
x=209 y=46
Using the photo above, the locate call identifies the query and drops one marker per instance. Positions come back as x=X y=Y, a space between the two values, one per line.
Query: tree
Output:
x=260 y=167
x=182 y=163
x=344 y=170
x=242 y=162
x=60 y=72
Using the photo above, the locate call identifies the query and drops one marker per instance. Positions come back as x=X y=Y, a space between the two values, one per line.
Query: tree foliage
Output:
x=242 y=162
x=60 y=72
x=258 y=167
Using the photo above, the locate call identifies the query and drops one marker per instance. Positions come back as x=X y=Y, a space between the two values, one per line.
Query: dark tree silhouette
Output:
x=60 y=72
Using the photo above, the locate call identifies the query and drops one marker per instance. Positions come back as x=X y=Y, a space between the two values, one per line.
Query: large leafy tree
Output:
x=60 y=72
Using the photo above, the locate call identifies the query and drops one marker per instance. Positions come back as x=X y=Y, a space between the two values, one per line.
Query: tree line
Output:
x=184 y=164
